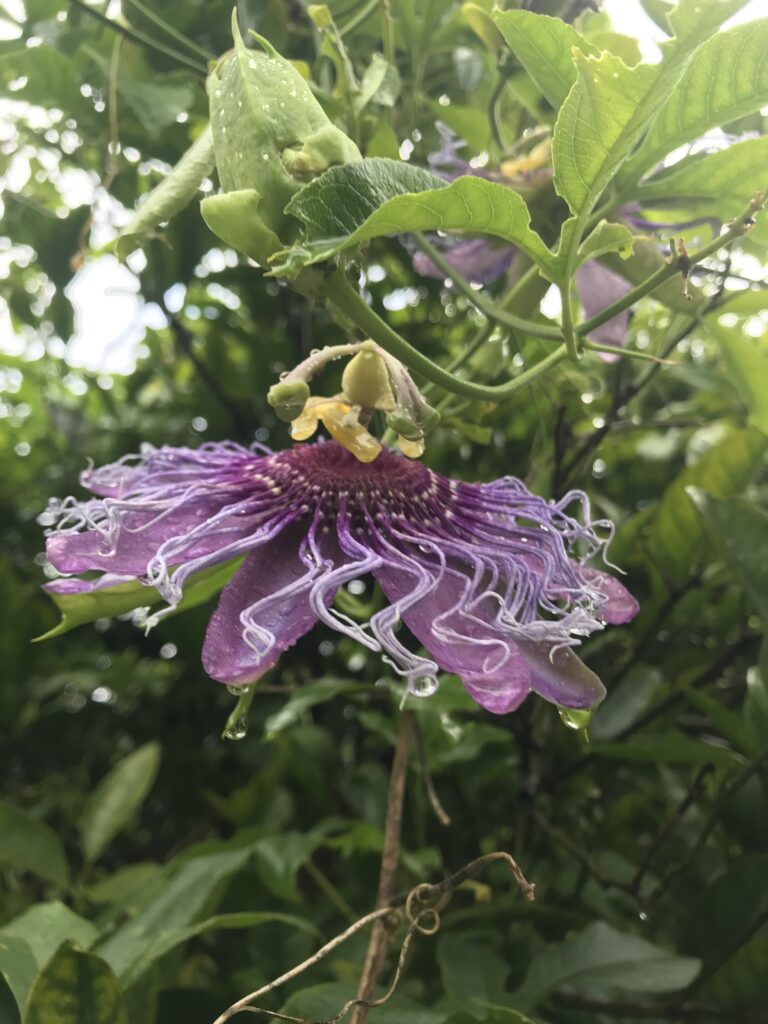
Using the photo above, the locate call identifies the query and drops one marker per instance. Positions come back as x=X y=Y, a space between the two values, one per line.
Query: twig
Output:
x=722 y=800
x=694 y=792
x=380 y=936
x=582 y=855
x=323 y=882
x=243 y=1004
x=422 y=918
x=440 y=812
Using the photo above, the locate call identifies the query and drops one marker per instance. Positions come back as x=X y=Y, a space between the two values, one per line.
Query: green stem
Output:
x=567 y=318
x=486 y=306
x=136 y=36
x=337 y=290
x=739 y=227
x=173 y=32
x=630 y=353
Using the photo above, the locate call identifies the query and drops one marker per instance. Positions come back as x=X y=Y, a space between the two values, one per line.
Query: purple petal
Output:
x=471 y=646
x=264 y=609
x=70 y=586
x=477 y=259
x=620 y=606
x=599 y=287
x=130 y=549
x=558 y=675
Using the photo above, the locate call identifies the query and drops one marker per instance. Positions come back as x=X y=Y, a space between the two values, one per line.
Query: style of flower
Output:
x=490 y=578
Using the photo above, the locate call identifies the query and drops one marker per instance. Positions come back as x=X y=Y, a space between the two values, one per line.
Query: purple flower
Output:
x=490 y=578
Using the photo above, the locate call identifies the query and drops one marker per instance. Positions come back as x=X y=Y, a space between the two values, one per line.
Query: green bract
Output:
x=270 y=137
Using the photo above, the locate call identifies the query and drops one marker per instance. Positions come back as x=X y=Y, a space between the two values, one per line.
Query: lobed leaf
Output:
x=725 y=179
x=727 y=78
x=544 y=46
x=356 y=203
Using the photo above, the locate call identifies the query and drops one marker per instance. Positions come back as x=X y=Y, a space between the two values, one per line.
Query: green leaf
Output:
x=677 y=534
x=602 y=960
x=727 y=178
x=625 y=702
x=740 y=530
x=75 y=988
x=607 y=237
x=353 y=204
x=544 y=46
x=126 y=885
x=117 y=798
x=32 y=845
x=302 y=700
x=121 y=598
x=599 y=124
x=45 y=926
x=380 y=84
x=473 y=974
x=18 y=966
x=668 y=748
x=170 y=196
x=321 y=1002
x=156 y=103
x=726 y=79
x=157 y=946
x=746 y=367
x=191 y=885
x=611 y=106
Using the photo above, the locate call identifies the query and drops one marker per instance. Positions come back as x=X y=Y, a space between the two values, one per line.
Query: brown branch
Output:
x=422 y=918
x=381 y=934
x=244 y=1003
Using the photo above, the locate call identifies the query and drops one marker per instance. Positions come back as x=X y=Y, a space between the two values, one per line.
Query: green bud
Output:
x=270 y=134
x=288 y=398
x=404 y=426
x=429 y=418
x=366 y=382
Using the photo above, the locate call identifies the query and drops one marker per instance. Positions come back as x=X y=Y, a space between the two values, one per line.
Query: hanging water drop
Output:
x=236 y=730
x=574 y=718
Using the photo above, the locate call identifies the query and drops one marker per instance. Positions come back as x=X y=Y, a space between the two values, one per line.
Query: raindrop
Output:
x=574 y=718
x=424 y=687
x=237 y=730
x=238 y=691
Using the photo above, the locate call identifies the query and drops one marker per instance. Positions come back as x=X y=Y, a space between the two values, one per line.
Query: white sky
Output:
x=110 y=314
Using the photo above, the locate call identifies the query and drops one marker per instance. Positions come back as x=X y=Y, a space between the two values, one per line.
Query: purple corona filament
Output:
x=490 y=578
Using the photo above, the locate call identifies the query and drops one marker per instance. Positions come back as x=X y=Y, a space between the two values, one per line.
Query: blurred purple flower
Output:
x=490 y=578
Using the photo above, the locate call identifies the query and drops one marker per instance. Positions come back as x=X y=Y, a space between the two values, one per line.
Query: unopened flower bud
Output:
x=270 y=137
x=366 y=382
x=288 y=398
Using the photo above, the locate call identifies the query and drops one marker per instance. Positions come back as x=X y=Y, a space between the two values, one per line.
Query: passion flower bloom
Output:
x=490 y=578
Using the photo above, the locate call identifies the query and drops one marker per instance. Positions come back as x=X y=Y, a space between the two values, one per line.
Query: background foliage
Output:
x=153 y=871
